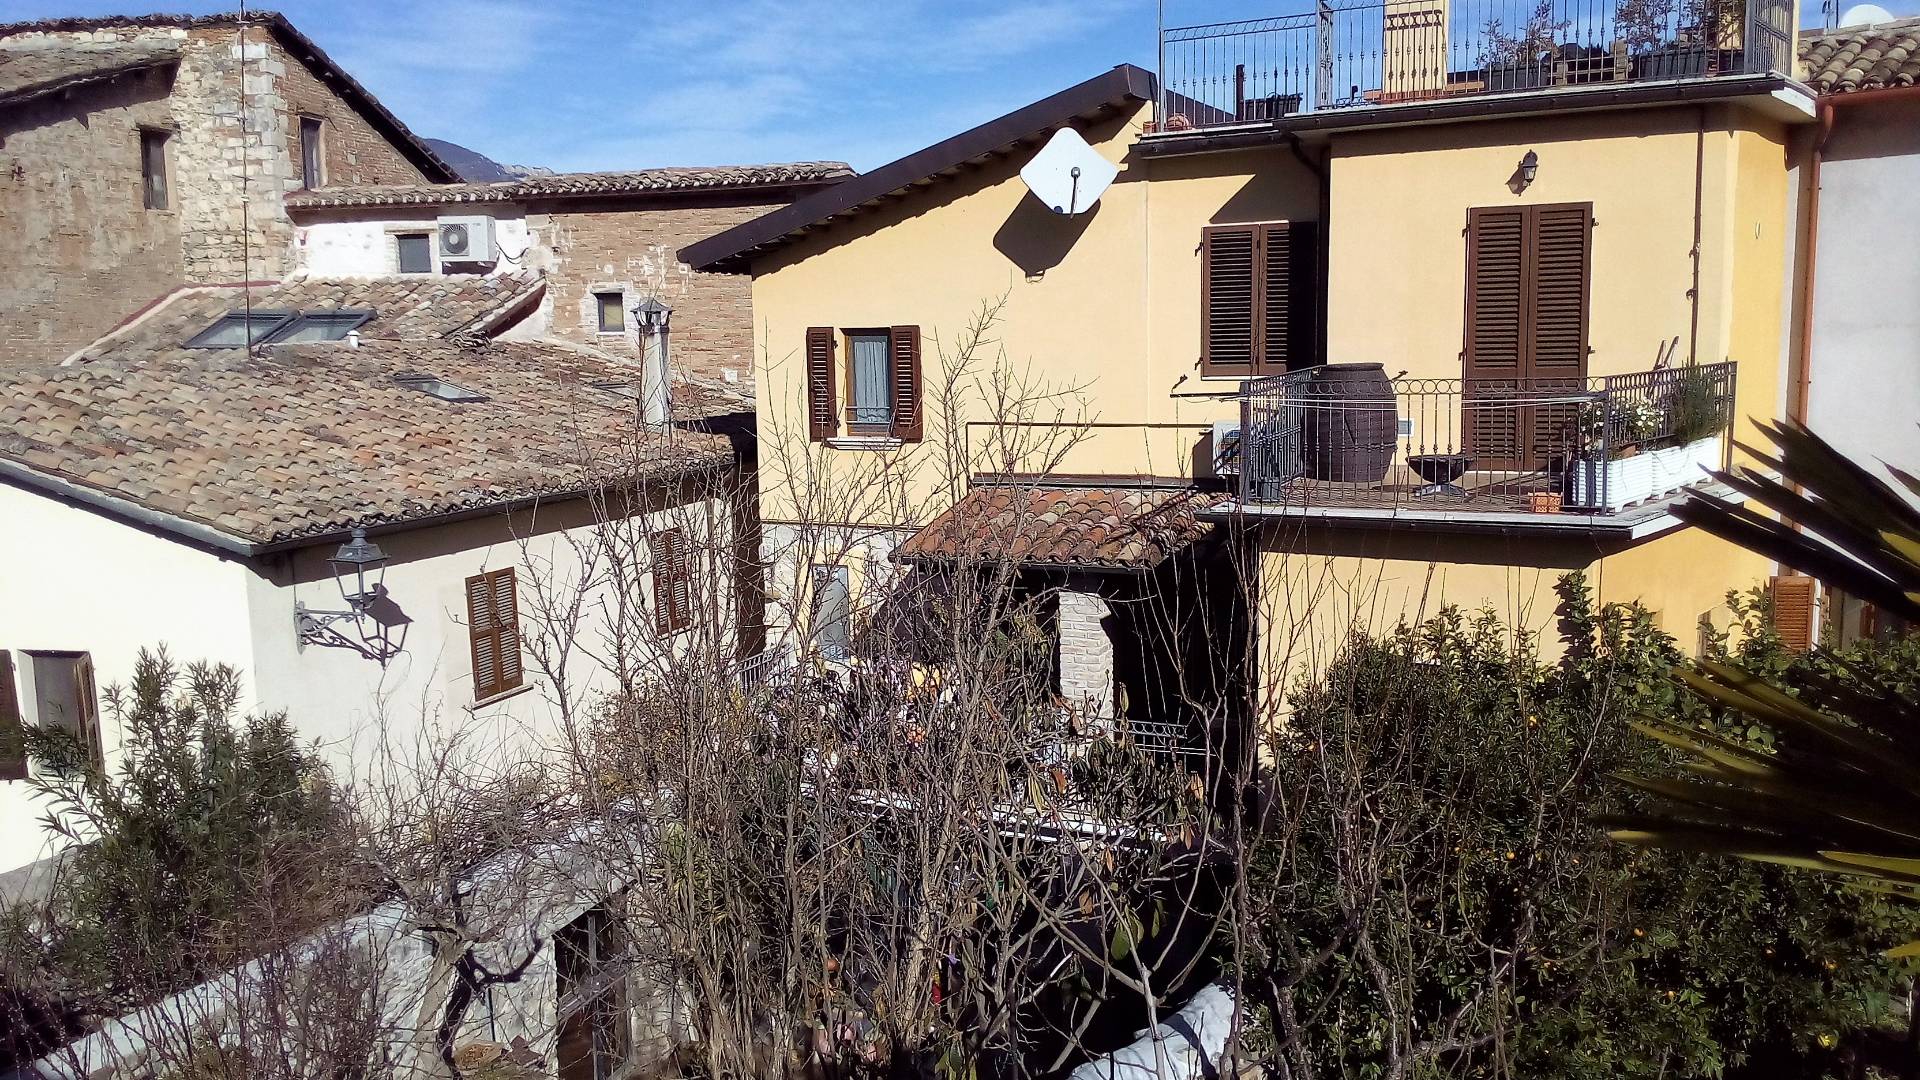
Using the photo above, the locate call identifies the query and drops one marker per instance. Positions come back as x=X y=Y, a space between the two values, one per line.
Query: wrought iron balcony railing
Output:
x=1358 y=53
x=1349 y=436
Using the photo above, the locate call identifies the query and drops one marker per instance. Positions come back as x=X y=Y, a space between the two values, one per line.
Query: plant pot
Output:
x=1528 y=75
x=1351 y=423
x=1686 y=62
x=1624 y=481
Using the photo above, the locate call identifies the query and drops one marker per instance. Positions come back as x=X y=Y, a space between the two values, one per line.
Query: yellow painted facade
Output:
x=1103 y=311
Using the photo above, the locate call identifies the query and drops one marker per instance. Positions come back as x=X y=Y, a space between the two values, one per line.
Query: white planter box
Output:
x=1649 y=474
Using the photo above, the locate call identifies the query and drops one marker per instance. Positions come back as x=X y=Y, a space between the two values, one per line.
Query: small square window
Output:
x=414 y=252
x=313 y=173
x=62 y=697
x=153 y=168
x=240 y=328
x=613 y=315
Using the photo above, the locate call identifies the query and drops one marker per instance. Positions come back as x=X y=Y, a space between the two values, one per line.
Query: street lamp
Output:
x=653 y=314
x=360 y=572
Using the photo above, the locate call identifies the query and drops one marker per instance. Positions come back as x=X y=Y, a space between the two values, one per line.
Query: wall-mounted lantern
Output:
x=1529 y=168
x=360 y=571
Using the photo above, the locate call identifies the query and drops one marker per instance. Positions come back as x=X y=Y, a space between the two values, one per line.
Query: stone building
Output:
x=602 y=241
x=138 y=154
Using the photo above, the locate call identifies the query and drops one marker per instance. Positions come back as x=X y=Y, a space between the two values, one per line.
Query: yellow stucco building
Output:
x=1574 y=291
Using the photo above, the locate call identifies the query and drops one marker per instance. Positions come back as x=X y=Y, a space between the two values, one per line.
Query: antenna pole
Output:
x=1160 y=65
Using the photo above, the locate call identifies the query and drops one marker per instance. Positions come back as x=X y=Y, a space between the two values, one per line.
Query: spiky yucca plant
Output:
x=1834 y=783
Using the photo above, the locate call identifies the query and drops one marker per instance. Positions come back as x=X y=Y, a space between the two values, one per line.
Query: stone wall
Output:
x=633 y=251
x=1086 y=654
x=78 y=251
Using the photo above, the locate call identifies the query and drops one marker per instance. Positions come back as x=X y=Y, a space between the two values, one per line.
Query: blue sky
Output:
x=608 y=84
x=604 y=84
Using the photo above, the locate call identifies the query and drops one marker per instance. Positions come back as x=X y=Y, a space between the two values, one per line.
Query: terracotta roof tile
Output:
x=1862 y=57
x=301 y=440
x=1094 y=528
x=29 y=70
x=404 y=307
x=577 y=185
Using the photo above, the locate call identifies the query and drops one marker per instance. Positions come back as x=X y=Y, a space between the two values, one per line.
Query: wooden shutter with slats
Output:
x=13 y=743
x=672 y=582
x=1258 y=298
x=907 y=421
x=1528 y=270
x=89 y=719
x=1228 y=279
x=493 y=632
x=1793 y=602
x=823 y=416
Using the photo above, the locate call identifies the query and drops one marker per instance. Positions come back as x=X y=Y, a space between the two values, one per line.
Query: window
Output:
x=237 y=328
x=832 y=612
x=313 y=173
x=13 y=743
x=672 y=582
x=413 y=252
x=881 y=377
x=493 y=632
x=613 y=316
x=440 y=388
x=590 y=973
x=320 y=326
x=870 y=382
x=60 y=696
x=1526 y=324
x=240 y=328
x=1258 y=298
x=153 y=168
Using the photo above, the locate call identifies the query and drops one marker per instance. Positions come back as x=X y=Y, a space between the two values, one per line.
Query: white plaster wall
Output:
x=75 y=579
x=360 y=244
x=72 y=579
x=1865 y=390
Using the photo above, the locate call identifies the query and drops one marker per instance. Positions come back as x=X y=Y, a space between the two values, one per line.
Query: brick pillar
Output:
x=1086 y=654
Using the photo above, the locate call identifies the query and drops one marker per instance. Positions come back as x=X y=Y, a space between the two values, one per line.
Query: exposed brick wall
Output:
x=1086 y=654
x=634 y=251
x=78 y=253
x=78 y=250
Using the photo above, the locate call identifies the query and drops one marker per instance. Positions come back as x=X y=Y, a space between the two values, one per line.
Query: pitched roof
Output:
x=294 y=42
x=1099 y=96
x=298 y=442
x=437 y=306
x=1862 y=57
x=581 y=185
x=44 y=68
x=1091 y=528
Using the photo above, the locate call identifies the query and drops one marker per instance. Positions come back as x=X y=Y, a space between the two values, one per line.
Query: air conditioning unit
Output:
x=466 y=240
x=1226 y=448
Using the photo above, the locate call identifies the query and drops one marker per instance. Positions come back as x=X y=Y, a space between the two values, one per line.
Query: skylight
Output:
x=440 y=388
x=620 y=389
x=238 y=328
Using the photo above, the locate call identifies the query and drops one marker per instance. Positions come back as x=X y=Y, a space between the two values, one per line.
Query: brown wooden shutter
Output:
x=1229 y=273
x=13 y=741
x=1557 y=324
x=1288 y=297
x=493 y=633
x=89 y=719
x=1793 y=611
x=1526 y=327
x=672 y=583
x=908 y=425
x=823 y=417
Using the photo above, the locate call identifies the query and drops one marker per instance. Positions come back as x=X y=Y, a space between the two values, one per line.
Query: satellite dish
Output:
x=1865 y=15
x=1067 y=174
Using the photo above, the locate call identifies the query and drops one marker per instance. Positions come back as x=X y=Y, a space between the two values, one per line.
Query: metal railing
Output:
x=1581 y=445
x=1381 y=52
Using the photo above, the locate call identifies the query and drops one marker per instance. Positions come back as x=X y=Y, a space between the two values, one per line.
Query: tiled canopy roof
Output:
x=579 y=185
x=1077 y=527
x=1862 y=57
x=404 y=307
x=303 y=441
x=44 y=68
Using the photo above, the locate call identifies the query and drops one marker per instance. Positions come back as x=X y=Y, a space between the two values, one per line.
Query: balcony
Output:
x=1358 y=55
x=1349 y=440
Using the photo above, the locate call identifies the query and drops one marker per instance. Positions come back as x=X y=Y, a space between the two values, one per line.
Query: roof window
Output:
x=617 y=388
x=438 y=387
x=240 y=328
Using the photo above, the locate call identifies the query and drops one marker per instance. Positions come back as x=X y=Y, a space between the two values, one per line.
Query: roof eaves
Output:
x=732 y=250
x=198 y=532
x=72 y=82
